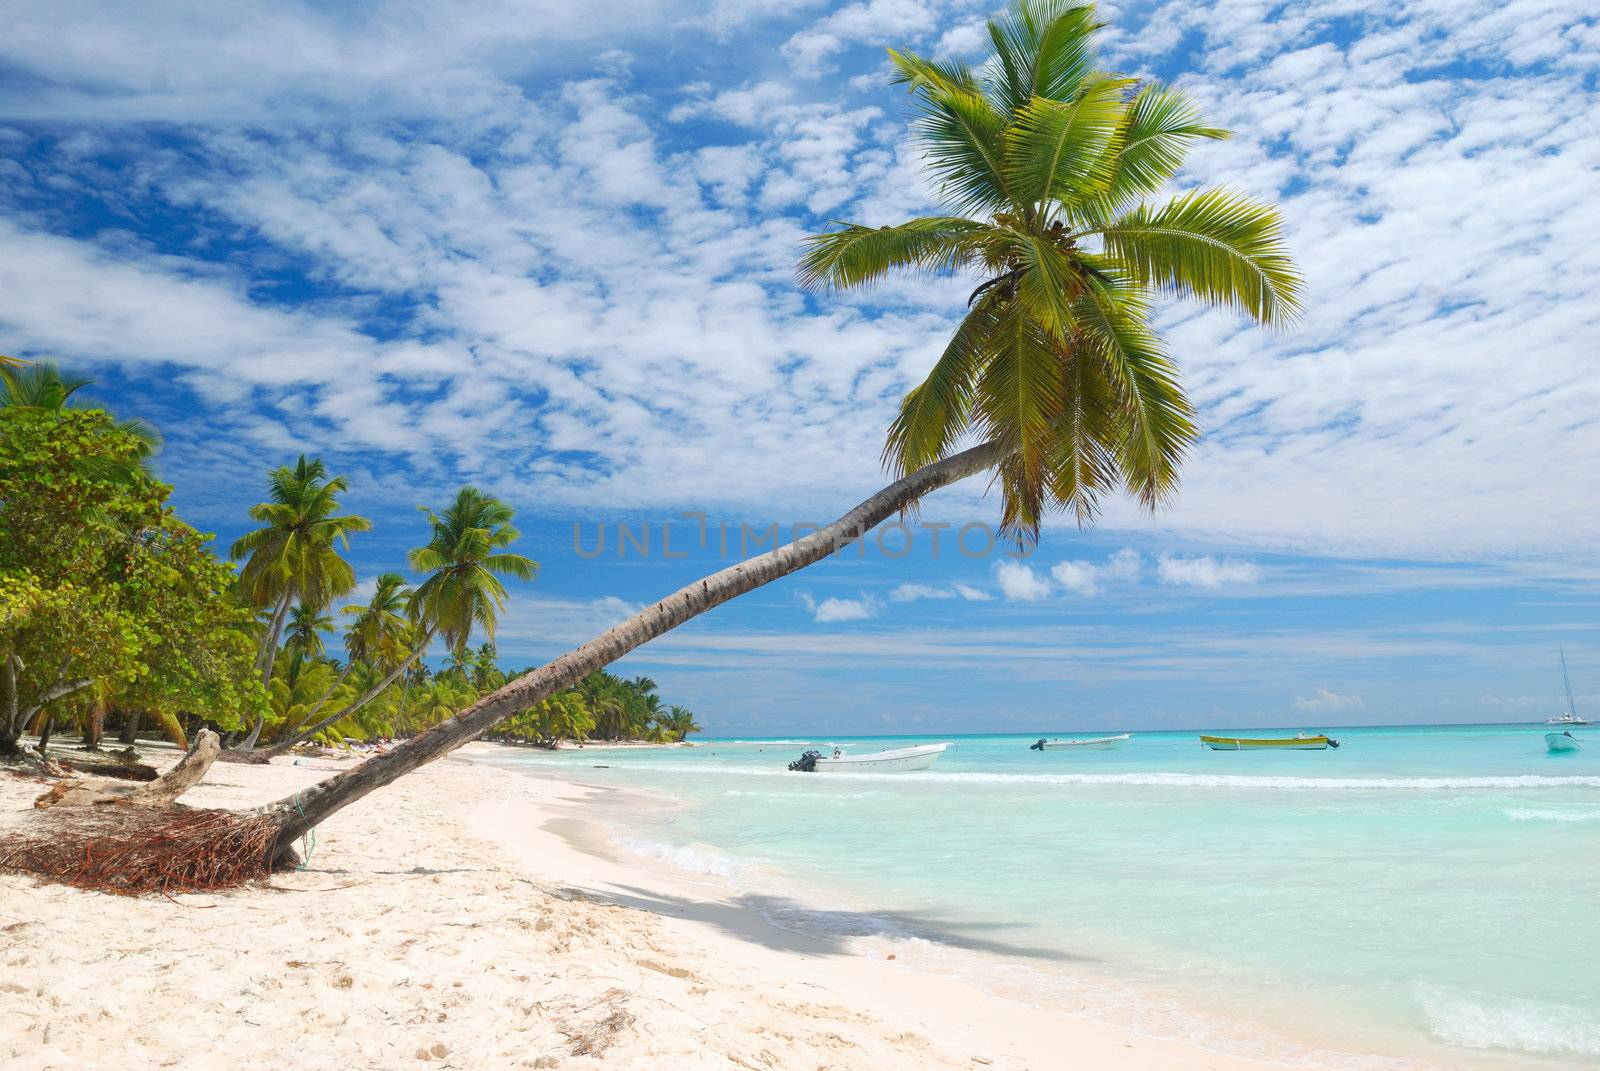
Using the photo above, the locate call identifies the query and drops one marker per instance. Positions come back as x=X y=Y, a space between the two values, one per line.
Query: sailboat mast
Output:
x=1572 y=706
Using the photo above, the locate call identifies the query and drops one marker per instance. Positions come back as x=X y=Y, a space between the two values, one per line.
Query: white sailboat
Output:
x=1571 y=716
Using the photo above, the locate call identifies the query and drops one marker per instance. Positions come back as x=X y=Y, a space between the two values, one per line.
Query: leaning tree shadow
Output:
x=788 y=925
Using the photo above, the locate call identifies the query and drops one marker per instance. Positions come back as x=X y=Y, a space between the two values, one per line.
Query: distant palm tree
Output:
x=376 y=640
x=1054 y=378
x=678 y=722
x=292 y=557
x=304 y=633
x=465 y=558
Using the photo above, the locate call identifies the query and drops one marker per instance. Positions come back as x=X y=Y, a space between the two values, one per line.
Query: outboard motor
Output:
x=806 y=763
x=1332 y=742
x=1037 y=746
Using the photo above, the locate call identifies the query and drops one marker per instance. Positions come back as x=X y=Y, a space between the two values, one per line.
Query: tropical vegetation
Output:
x=112 y=608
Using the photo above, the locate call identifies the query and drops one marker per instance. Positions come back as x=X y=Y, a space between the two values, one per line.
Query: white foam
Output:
x=1482 y=1022
x=689 y=859
x=1166 y=780
x=1531 y=814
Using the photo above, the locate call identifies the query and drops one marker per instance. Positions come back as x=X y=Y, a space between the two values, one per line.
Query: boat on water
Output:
x=1298 y=742
x=898 y=760
x=1092 y=743
x=1558 y=742
x=1570 y=717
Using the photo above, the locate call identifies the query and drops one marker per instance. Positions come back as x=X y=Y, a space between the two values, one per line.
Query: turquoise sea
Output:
x=1423 y=896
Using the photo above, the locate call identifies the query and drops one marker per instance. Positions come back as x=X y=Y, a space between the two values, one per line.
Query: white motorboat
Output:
x=1562 y=742
x=899 y=760
x=1091 y=743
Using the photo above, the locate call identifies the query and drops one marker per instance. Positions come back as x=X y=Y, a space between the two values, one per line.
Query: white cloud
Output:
x=1019 y=583
x=1326 y=700
x=867 y=22
x=1206 y=572
x=836 y=609
x=1080 y=578
x=912 y=592
x=1087 y=578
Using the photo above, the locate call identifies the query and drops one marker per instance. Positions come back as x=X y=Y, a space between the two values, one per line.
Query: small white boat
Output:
x=1562 y=742
x=899 y=760
x=1086 y=743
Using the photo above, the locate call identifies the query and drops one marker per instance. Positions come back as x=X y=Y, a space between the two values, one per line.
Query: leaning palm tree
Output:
x=1053 y=379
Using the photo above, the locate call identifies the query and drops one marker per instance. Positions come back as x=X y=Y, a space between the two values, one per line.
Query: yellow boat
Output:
x=1301 y=742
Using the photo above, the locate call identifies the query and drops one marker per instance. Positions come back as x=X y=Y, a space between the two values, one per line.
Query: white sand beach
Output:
x=448 y=921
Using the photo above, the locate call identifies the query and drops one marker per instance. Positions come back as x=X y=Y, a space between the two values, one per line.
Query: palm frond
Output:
x=1159 y=129
x=1158 y=421
x=857 y=255
x=1212 y=245
x=1083 y=461
x=1042 y=48
x=1066 y=150
x=934 y=413
x=961 y=134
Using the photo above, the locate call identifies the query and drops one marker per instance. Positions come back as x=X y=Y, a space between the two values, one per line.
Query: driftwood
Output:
x=174 y=783
x=121 y=771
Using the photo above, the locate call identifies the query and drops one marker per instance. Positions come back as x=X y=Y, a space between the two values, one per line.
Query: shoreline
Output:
x=1217 y=1026
x=449 y=920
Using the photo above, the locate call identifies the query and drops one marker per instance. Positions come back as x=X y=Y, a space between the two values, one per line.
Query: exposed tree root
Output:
x=135 y=850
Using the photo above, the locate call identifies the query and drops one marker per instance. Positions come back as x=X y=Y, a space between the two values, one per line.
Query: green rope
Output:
x=309 y=841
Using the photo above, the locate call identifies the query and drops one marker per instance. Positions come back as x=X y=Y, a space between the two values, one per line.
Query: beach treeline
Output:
x=115 y=616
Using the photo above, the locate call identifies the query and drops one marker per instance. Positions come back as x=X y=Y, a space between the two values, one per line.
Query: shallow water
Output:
x=1422 y=891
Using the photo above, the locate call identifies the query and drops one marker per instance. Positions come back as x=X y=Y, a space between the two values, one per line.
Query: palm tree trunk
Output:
x=93 y=728
x=305 y=810
x=344 y=712
x=129 y=733
x=268 y=652
x=9 y=732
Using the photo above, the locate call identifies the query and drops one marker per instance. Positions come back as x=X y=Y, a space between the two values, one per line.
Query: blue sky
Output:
x=526 y=247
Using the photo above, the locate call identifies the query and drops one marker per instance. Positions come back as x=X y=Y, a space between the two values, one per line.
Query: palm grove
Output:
x=1054 y=175
x=112 y=608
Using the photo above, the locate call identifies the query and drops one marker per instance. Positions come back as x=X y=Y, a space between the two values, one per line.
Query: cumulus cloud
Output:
x=836 y=609
x=1087 y=578
x=1326 y=700
x=1206 y=572
x=1080 y=578
x=1019 y=583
